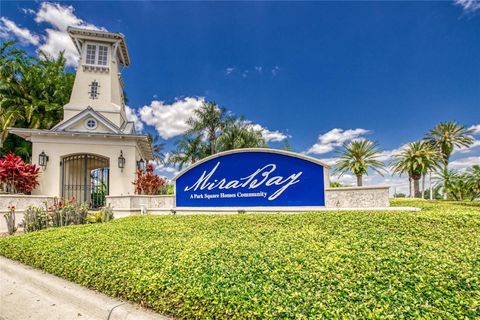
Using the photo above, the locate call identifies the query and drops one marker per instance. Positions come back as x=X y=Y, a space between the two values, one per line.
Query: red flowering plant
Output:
x=148 y=182
x=18 y=176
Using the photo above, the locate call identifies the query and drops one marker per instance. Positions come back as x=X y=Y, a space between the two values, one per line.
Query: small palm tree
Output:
x=449 y=135
x=238 y=134
x=445 y=137
x=157 y=147
x=357 y=157
x=208 y=120
x=473 y=178
x=416 y=160
x=188 y=151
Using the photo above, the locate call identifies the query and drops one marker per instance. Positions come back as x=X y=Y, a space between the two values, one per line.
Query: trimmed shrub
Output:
x=18 y=176
x=331 y=264
x=105 y=214
x=148 y=183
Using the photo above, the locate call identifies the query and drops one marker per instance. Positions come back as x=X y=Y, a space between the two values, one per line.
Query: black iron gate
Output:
x=85 y=178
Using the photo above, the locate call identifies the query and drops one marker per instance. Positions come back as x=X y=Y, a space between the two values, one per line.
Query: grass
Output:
x=331 y=264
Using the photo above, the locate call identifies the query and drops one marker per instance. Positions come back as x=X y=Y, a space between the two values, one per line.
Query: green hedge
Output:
x=328 y=264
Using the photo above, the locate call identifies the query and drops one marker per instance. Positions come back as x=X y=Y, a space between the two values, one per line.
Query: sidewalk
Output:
x=27 y=293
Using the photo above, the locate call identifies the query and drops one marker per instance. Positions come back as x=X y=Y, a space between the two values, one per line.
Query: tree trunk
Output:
x=445 y=192
x=410 y=194
x=359 y=180
x=423 y=186
x=430 y=185
x=416 y=187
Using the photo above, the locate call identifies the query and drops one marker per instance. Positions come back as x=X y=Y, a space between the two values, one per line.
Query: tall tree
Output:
x=237 y=134
x=208 y=120
x=473 y=178
x=416 y=160
x=33 y=91
x=357 y=157
x=188 y=151
x=446 y=136
x=157 y=147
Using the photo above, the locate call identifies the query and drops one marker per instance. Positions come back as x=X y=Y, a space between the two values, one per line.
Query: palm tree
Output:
x=445 y=137
x=238 y=134
x=416 y=159
x=188 y=151
x=33 y=91
x=157 y=147
x=209 y=119
x=357 y=157
x=473 y=178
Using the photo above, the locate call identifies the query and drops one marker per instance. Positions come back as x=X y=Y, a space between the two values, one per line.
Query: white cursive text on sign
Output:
x=262 y=176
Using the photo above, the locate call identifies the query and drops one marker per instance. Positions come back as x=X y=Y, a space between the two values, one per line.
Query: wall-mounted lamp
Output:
x=141 y=165
x=42 y=160
x=121 y=160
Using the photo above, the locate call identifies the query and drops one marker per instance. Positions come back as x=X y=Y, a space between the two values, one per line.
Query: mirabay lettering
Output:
x=261 y=177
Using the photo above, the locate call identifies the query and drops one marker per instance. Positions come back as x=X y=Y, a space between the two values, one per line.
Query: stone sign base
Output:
x=372 y=197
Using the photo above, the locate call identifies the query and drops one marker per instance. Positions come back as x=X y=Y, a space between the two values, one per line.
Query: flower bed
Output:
x=329 y=264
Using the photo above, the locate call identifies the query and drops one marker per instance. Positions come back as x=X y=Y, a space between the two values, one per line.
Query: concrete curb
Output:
x=26 y=292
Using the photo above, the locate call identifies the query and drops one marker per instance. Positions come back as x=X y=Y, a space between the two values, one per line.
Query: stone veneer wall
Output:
x=131 y=204
x=357 y=197
x=342 y=198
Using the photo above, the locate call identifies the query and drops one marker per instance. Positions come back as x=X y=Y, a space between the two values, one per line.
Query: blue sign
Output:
x=252 y=178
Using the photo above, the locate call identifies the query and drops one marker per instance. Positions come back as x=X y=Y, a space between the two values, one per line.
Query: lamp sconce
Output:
x=121 y=161
x=42 y=160
x=141 y=164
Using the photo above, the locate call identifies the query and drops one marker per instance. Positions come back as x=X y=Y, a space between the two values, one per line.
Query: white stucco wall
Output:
x=109 y=101
x=58 y=147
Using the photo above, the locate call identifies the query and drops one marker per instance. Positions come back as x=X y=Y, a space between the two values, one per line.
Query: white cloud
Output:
x=57 y=41
x=133 y=116
x=329 y=161
x=57 y=15
x=334 y=138
x=275 y=71
x=464 y=163
x=269 y=136
x=346 y=179
x=22 y=34
x=170 y=119
x=475 y=128
x=164 y=170
x=475 y=144
x=387 y=155
x=55 y=38
x=469 y=6
x=28 y=11
x=229 y=70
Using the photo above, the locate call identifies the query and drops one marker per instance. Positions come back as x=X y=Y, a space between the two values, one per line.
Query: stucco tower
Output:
x=95 y=144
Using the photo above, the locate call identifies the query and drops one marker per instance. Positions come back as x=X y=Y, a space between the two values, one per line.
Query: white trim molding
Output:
x=247 y=150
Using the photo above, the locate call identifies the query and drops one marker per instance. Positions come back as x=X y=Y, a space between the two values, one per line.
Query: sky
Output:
x=317 y=74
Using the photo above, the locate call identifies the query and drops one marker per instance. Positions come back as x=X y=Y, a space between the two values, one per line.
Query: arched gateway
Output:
x=85 y=177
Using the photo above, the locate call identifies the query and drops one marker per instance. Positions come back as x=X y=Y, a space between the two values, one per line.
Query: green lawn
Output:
x=328 y=264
